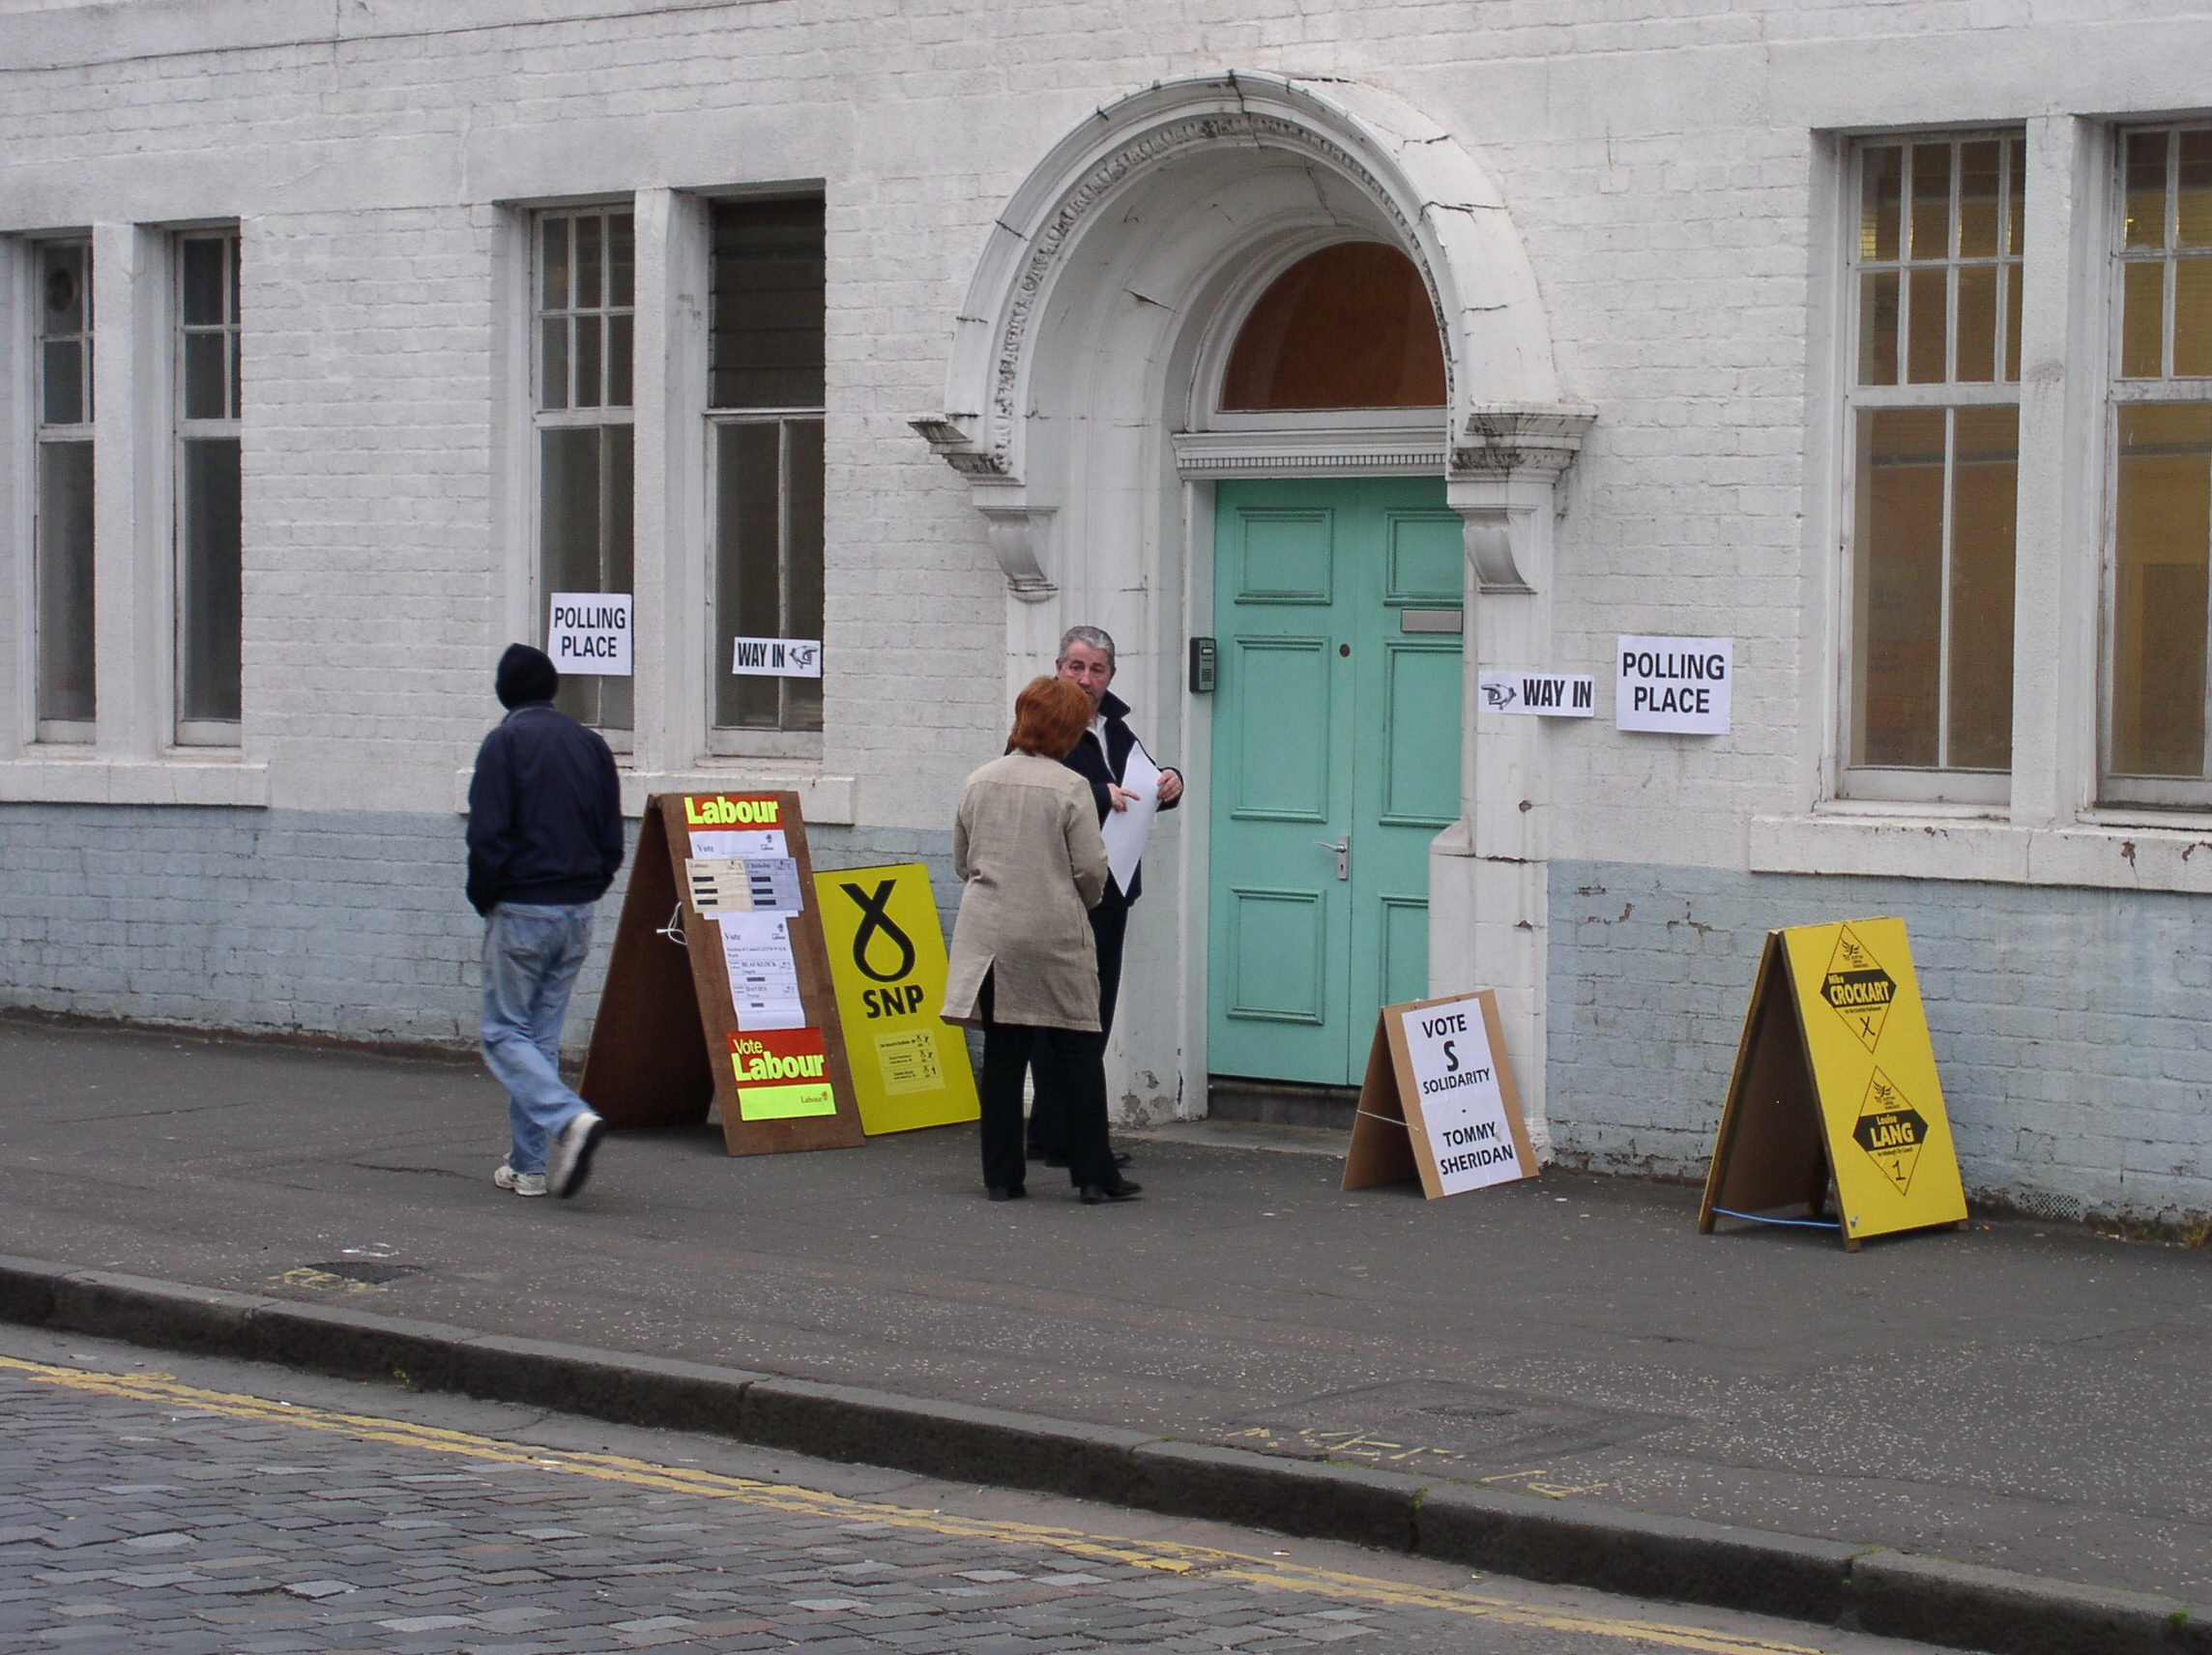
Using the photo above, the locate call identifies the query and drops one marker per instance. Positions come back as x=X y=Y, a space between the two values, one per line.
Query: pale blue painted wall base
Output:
x=2072 y=1027
x=350 y=925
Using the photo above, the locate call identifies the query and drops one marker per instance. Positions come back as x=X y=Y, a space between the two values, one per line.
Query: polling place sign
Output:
x=1678 y=685
x=589 y=633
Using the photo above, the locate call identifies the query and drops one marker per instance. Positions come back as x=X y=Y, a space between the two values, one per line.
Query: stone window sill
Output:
x=2100 y=854
x=825 y=801
x=200 y=778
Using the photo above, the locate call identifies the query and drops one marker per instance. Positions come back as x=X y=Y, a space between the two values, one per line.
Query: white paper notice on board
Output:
x=1128 y=831
x=775 y=658
x=1447 y=1046
x=1541 y=695
x=739 y=842
x=1675 y=685
x=588 y=632
x=763 y=974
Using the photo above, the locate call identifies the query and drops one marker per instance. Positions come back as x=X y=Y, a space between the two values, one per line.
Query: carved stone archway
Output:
x=1073 y=353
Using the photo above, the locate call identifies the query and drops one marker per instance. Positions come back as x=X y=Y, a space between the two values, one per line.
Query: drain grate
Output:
x=370 y=1273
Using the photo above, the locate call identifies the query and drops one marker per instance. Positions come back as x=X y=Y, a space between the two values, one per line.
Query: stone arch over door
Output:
x=1072 y=365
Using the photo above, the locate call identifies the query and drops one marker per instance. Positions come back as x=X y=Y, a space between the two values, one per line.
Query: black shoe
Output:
x=1055 y=1159
x=1037 y=1151
x=1121 y=1160
x=1091 y=1195
x=1005 y=1192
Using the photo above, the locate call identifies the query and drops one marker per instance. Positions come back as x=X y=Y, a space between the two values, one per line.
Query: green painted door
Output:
x=1336 y=721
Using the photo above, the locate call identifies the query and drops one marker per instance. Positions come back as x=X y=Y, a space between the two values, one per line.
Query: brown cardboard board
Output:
x=1770 y=1151
x=660 y=1049
x=1399 y=1134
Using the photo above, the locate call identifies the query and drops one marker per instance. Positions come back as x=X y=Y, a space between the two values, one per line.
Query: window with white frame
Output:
x=1934 y=433
x=209 y=529
x=584 y=349
x=2157 y=732
x=65 y=703
x=765 y=396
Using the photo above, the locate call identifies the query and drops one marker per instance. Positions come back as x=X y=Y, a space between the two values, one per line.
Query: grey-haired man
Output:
x=1101 y=758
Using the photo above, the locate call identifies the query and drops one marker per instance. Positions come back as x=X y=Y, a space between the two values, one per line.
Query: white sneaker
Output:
x=521 y=1183
x=569 y=1162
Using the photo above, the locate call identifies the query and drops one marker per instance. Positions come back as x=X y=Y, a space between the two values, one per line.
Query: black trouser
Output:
x=1077 y=1058
x=1109 y=924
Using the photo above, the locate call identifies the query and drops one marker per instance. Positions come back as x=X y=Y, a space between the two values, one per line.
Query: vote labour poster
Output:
x=887 y=960
x=781 y=1074
x=1439 y=1102
x=1835 y=1085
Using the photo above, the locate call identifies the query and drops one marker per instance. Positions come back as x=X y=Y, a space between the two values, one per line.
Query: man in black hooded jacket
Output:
x=545 y=842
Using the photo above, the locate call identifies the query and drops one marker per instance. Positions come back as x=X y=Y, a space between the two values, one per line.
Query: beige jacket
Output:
x=1026 y=842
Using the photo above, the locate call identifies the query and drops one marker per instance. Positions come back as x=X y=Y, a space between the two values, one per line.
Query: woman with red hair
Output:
x=1025 y=843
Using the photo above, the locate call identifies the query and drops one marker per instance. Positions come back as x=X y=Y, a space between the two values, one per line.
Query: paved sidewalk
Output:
x=2015 y=1395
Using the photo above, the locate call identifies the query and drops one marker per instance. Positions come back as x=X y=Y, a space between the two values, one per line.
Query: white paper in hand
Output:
x=1126 y=831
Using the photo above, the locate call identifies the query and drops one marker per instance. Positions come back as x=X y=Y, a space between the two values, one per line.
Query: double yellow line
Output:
x=1165 y=1556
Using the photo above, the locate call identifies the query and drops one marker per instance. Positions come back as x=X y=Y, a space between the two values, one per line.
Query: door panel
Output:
x=1278 y=946
x=1420 y=738
x=1290 y=683
x=1330 y=725
x=1427 y=550
x=1283 y=557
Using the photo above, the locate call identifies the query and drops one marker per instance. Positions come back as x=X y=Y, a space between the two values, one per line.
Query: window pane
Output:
x=63 y=285
x=749 y=583
x=2012 y=287
x=1878 y=328
x=553 y=362
x=553 y=264
x=588 y=261
x=204 y=281
x=1978 y=184
x=207 y=376
x=803 y=564
x=1931 y=201
x=2195 y=226
x=2146 y=190
x=585 y=503
x=1924 y=352
x=2015 y=214
x=1899 y=585
x=622 y=260
x=64 y=581
x=2143 y=320
x=766 y=338
x=208 y=580
x=1977 y=323
x=619 y=364
x=587 y=361
x=2192 y=316
x=1348 y=327
x=2164 y=528
x=1881 y=202
x=1984 y=491
x=61 y=377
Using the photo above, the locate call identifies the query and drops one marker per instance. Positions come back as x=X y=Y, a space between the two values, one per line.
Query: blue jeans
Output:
x=531 y=955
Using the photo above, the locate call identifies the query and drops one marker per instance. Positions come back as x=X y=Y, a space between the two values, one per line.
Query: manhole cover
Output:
x=373 y=1272
x=1425 y=1420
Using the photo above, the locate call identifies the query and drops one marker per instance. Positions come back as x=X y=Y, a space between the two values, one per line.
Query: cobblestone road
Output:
x=142 y=1513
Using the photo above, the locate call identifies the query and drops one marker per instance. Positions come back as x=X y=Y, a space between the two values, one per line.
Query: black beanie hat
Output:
x=526 y=674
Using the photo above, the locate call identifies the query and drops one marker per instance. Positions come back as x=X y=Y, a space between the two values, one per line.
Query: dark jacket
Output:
x=1102 y=768
x=545 y=812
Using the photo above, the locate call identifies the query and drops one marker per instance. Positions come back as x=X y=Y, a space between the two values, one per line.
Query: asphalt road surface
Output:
x=172 y=1506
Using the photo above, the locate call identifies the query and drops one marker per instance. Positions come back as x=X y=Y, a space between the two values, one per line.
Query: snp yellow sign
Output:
x=886 y=958
x=1835 y=1084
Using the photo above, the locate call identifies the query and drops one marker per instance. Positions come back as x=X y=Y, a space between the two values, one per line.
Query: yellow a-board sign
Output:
x=1835 y=1083
x=887 y=960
